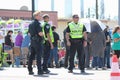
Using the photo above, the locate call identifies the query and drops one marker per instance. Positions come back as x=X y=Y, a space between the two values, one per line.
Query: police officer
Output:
x=48 y=44
x=36 y=33
x=76 y=38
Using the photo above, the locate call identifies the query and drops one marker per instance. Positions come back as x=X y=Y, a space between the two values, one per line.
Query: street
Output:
x=56 y=74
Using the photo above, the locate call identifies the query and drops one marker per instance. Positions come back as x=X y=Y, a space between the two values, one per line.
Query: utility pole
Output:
x=52 y=5
x=68 y=8
x=96 y=9
x=88 y=12
x=82 y=8
x=33 y=8
x=36 y=3
x=102 y=10
x=118 y=12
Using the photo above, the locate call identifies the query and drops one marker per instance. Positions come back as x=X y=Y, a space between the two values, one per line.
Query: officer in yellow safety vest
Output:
x=48 y=43
x=76 y=38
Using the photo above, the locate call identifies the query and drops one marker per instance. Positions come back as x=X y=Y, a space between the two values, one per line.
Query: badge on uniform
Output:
x=40 y=25
x=47 y=27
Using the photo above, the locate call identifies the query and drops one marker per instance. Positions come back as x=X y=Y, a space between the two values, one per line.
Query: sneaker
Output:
x=46 y=71
x=70 y=71
x=12 y=65
x=34 y=66
x=24 y=66
x=104 y=68
x=31 y=73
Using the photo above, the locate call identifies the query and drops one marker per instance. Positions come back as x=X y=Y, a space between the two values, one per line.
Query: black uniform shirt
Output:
x=68 y=30
x=107 y=34
x=47 y=29
x=35 y=28
x=56 y=38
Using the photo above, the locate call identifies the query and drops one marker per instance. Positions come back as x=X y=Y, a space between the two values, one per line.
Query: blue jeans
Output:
x=7 y=47
x=53 y=54
x=97 y=62
x=17 y=61
x=107 y=56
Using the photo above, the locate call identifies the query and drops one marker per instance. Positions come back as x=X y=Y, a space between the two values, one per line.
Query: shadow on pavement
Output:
x=1 y=69
x=53 y=74
x=44 y=75
x=83 y=73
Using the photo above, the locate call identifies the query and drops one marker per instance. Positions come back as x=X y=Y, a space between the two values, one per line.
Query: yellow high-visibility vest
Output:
x=50 y=32
x=76 y=30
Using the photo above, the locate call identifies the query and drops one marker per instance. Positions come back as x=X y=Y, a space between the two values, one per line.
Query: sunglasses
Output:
x=76 y=17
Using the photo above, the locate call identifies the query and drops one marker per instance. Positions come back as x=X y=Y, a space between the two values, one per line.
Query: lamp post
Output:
x=33 y=8
x=96 y=9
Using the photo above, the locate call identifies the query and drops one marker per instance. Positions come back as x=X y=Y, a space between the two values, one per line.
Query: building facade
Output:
x=26 y=15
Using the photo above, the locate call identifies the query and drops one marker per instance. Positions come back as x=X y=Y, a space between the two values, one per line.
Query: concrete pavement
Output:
x=56 y=74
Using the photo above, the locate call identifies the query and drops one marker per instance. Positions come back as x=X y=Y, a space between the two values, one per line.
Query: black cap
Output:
x=75 y=16
x=53 y=28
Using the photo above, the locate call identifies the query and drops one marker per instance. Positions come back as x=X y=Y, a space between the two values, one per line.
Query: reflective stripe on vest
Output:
x=50 y=32
x=76 y=30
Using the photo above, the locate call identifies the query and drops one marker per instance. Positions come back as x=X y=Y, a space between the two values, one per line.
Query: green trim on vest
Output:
x=50 y=32
x=76 y=30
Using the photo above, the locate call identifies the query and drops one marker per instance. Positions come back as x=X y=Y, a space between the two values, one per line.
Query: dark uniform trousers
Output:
x=77 y=45
x=67 y=56
x=36 y=49
x=46 y=55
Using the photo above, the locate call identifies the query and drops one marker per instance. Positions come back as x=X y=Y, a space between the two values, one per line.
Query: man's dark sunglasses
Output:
x=76 y=17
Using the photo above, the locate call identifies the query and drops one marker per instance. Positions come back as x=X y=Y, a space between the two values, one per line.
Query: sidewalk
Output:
x=56 y=74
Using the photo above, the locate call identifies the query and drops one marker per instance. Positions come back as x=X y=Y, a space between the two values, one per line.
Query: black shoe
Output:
x=31 y=73
x=49 y=66
x=70 y=71
x=12 y=65
x=108 y=67
x=96 y=68
x=40 y=73
x=65 y=67
x=57 y=66
x=24 y=66
x=82 y=71
x=46 y=71
x=89 y=68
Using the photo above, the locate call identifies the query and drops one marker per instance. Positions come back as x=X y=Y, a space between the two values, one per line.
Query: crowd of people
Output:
x=41 y=44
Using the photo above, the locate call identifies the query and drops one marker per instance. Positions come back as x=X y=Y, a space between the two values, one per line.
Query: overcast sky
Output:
x=111 y=6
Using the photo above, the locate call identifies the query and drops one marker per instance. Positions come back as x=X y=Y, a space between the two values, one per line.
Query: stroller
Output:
x=3 y=57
